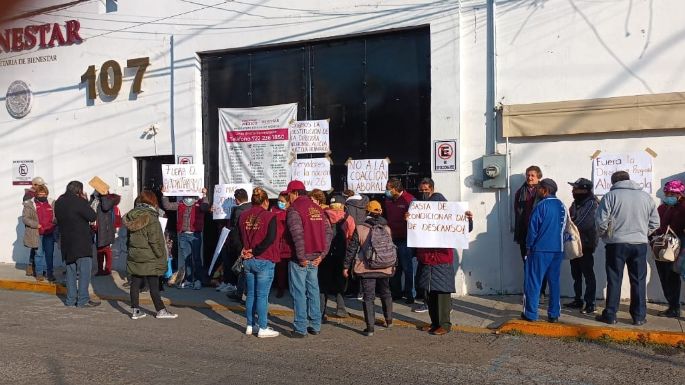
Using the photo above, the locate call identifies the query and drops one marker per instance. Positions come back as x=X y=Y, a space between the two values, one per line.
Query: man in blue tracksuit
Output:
x=545 y=252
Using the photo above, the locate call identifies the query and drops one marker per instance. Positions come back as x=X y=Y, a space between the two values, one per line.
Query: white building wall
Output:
x=546 y=51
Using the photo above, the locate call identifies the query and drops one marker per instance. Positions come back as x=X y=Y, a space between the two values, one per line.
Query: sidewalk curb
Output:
x=544 y=329
x=563 y=330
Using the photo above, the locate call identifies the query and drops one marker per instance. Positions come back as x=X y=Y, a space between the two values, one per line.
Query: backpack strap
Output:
x=364 y=232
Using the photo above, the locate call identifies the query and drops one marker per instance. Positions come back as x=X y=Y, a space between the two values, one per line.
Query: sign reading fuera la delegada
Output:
x=43 y=35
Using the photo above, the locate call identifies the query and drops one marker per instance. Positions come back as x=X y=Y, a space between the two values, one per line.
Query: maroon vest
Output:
x=313 y=225
x=254 y=225
x=283 y=237
x=197 y=216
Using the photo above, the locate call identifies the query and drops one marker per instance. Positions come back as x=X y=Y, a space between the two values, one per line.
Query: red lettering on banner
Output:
x=257 y=135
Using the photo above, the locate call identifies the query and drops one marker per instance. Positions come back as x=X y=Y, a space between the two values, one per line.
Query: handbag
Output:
x=238 y=267
x=573 y=247
x=665 y=247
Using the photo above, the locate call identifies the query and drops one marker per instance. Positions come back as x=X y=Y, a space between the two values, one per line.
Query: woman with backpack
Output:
x=331 y=283
x=373 y=279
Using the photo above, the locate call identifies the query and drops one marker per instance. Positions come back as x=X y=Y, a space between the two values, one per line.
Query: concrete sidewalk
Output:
x=479 y=314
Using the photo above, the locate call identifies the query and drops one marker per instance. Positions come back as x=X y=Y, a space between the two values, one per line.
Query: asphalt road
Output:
x=43 y=342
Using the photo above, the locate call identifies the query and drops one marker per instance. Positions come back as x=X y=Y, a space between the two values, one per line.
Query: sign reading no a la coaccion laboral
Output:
x=438 y=225
x=254 y=146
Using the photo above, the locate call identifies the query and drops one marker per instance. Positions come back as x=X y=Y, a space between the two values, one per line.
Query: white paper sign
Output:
x=638 y=164
x=162 y=222
x=314 y=173
x=310 y=137
x=217 y=250
x=438 y=225
x=254 y=146
x=367 y=176
x=224 y=201
x=22 y=172
x=183 y=179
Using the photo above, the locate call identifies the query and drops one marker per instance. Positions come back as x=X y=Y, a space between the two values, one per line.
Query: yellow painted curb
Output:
x=559 y=330
x=38 y=287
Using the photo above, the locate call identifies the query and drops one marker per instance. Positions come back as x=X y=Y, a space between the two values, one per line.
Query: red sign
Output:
x=43 y=35
x=445 y=151
x=257 y=135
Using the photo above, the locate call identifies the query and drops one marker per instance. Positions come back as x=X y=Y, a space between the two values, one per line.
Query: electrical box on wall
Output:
x=494 y=171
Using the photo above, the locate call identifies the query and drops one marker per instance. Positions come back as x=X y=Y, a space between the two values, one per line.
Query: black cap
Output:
x=338 y=199
x=582 y=183
x=550 y=185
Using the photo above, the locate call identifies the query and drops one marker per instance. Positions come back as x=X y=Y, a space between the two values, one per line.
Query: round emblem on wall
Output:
x=18 y=99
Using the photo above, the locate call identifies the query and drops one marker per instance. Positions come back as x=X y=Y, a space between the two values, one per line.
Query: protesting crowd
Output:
x=321 y=247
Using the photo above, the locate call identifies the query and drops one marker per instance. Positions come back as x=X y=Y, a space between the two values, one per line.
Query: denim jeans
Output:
x=407 y=265
x=633 y=256
x=189 y=255
x=42 y=261
x=304 y=288
x=82 y=267
x=259 y=274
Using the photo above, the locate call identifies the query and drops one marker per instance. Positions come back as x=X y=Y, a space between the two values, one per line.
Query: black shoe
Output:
x=409 y=301
x=388 y=324
x=90 y=304
x=552 y=320
x=640 y=322
x=235 y=296
x=396 y=297
x=313 y=332
x=576 y=304
x=368 y=332
x=523 y=317
x=606 y=320
x=669 y=313
x=589 y=309
x=295 y=334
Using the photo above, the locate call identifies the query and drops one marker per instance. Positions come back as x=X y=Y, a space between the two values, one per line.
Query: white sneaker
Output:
x=420 y=309
x=228 y=288
x=268 y=332
x=221 y=287
x=184 y=285
x=166 y=314
x=248 y=330
x=137 y=314
x=197 y=285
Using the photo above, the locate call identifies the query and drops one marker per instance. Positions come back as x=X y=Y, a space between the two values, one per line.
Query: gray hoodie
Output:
x=626 y=214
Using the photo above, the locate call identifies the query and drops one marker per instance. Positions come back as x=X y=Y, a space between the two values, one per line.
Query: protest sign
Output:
x=217 y=250
x=310 y=137
x=183 y=179
x=638 y=164
x=438 y=225
x=367 y=176
x=314 y=173
x=254 y=146
x=224 y=201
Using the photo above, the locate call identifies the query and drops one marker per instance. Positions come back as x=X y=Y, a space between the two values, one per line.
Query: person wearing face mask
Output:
x=29 y=194
x=190 y=221
x=582 y=212
x=39 y=221
x=525 y=199
x=397 y=202
x=671 y=213
x=285 y=244
x=435 y=272
x=545 y=252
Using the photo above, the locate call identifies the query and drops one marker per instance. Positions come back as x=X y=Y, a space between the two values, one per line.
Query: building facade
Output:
x=124 y=86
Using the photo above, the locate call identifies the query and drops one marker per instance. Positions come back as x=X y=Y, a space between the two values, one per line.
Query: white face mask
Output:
x=189 y=201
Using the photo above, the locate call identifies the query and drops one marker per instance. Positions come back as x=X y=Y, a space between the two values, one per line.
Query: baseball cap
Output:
x=338 y=199
x=38 y=181
x=374 y=207
x=550 y=185
x=582 y=183
x=295 y=185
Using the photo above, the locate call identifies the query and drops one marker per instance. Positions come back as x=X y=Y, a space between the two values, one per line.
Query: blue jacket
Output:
x=546 y=227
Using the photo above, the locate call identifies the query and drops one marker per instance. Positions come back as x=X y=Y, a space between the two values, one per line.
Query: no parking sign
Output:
x=445 y=152
x=22 y=172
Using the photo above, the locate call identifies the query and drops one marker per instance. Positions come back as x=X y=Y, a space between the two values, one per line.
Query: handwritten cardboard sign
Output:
x=367 y=176
x=310 y=137
x=314 y=173
x=638 y=164
x=183 y=179
x=224 y=201
x=438 y=225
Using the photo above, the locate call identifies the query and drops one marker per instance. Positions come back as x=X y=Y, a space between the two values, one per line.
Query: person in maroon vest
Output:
x=311 y=234
x=190 y=221
x=285 y=244
x=260 y=253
